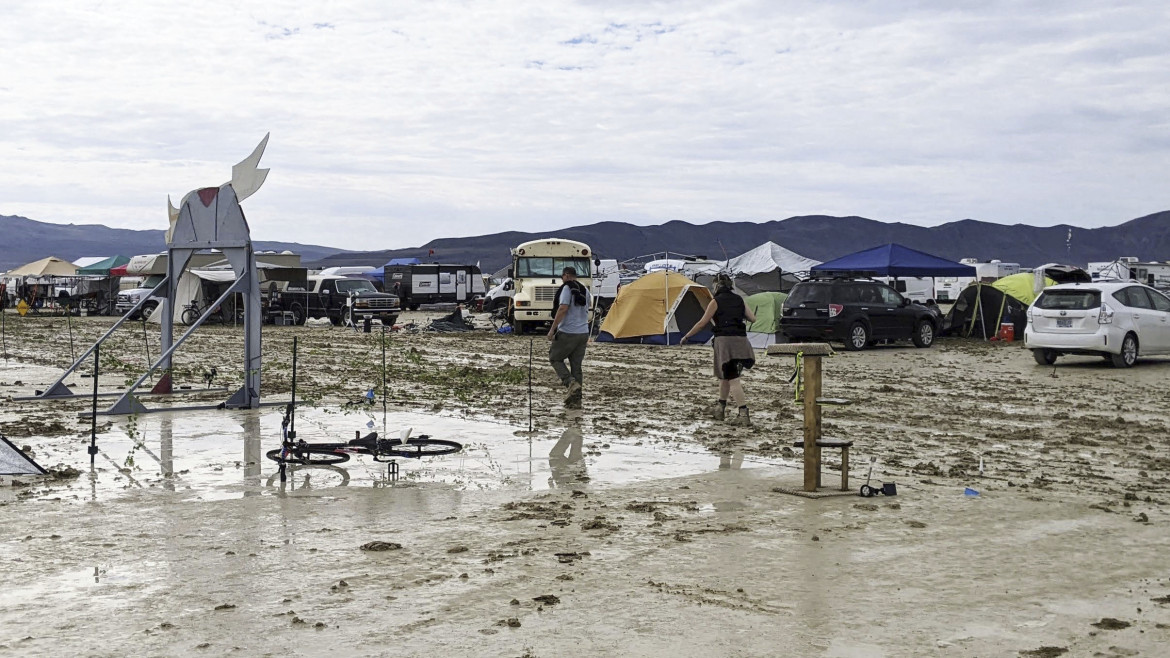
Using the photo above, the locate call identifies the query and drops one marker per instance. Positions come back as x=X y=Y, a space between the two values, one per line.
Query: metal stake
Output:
x=531 y=341
x=93 y=412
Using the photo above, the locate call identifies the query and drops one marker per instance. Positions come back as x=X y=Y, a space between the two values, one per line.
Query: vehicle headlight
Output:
x=1106 y=315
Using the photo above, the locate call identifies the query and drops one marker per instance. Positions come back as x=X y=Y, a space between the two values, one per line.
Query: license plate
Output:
x=1064 y=323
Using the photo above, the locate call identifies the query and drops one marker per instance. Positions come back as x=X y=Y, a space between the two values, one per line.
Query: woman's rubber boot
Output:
x=741 y=419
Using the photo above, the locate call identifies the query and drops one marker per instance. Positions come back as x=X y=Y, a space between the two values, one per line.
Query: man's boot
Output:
x=717 y=410
x=741 y=419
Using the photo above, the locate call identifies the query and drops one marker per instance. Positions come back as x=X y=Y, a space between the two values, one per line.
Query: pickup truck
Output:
x=328 y=296
x=127 y=299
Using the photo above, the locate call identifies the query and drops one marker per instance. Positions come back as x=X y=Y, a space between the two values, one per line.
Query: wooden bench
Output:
x=843 y=445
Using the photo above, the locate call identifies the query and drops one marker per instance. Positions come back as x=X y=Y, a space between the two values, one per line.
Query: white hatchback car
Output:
x=1115 y=319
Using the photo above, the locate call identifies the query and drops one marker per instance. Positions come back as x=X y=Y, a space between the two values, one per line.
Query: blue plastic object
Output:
x=970 y=492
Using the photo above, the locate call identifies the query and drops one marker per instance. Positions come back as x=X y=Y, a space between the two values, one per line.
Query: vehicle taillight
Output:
x=835 y=310
x=1106 y=315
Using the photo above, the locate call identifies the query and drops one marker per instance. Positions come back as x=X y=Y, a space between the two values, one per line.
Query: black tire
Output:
x=414 y=307
x=867 y=491
x=923 y=334
x=1044 y=357
x=417 y=448
x=190 y=316
x=311 y=456
x=148 y=310
x=1129 y=353
x=298 y=312
x=858 y=337
x=519 y=327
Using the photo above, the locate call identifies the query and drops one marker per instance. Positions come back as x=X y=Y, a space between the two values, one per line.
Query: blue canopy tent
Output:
x=403 y=261
x=894 y=260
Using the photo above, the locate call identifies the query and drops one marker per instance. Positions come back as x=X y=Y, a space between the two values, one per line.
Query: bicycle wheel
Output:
x=190 y=315
x=309 y=456
x=417 y=448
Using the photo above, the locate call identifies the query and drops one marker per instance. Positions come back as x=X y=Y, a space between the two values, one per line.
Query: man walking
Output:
x=569 y=335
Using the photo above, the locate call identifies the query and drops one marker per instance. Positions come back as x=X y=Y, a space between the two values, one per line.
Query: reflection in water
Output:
x=252 y=453
x=166 y=451
x=310 y=477
x=566 y=461
x=731 y=460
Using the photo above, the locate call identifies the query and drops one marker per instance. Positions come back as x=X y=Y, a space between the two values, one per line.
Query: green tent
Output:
x=1020 y=286
x=766 y=306
x=103 y=267
x=982 y=307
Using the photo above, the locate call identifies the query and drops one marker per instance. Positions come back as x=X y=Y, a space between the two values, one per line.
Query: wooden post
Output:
x=812 y=422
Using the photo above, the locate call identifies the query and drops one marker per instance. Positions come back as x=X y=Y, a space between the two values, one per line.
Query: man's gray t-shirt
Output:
x=577 y=317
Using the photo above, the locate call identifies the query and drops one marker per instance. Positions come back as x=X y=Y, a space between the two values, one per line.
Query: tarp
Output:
x=656 y=309
x=895 y=260
x=767 y=307
x=191 y=288
x=769 y=257
x=403 y=261
x=50 y=266
x=104 y=266
x=13 y=461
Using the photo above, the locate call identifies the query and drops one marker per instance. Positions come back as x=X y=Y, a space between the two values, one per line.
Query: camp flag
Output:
x=13 y=461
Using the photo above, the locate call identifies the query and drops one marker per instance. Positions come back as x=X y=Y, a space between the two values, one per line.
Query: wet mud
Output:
x=1030 y=518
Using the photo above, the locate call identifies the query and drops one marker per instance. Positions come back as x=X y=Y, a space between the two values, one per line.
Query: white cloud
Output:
x=393 y=124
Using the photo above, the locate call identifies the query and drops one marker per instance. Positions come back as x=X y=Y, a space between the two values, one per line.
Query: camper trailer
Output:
x=948 y=288
x=1153 y=274
x=433 y=283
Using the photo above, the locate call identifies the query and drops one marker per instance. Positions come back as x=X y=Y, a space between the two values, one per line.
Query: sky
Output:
x=394 y=123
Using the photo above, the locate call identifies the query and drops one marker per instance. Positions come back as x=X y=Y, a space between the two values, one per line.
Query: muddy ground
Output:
x=667 y=538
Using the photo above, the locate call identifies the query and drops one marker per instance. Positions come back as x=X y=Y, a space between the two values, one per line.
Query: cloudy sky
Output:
x=395 y=123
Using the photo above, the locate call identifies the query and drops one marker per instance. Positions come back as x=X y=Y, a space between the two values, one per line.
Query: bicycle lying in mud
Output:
x=294 y=451
x=298 y=452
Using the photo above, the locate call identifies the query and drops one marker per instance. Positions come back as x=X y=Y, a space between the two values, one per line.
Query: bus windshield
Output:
x=552 y=267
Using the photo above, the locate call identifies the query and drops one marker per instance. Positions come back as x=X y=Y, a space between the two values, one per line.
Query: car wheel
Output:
x=148 y=310
x=298 y=314
x=414 y=307
x=1044 y=357
x=923 y=334
x=1129 y=353
x=858 y=337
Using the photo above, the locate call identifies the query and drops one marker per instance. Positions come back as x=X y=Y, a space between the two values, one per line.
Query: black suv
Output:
x=856 y=311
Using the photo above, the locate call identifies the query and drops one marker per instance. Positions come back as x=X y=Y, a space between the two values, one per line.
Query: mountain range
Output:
x=817 y=236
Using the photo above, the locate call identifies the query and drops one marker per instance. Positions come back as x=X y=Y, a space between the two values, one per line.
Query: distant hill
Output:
x=24 y=240
x=816 y=236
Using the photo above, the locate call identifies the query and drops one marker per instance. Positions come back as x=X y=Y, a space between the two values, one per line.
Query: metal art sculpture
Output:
x=208 y=218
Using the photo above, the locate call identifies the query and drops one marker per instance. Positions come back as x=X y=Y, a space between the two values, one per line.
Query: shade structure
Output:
x=103 y=267
x=895 y=260
x=50 y=266
x=658 y=308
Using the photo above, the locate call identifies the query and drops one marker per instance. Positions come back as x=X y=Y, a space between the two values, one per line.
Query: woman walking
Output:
x=733 y=352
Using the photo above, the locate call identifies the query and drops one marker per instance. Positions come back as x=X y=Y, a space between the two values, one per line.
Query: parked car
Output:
x=1118 y=320
x=128 y=299
x=858 y=312
x=328 y=297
